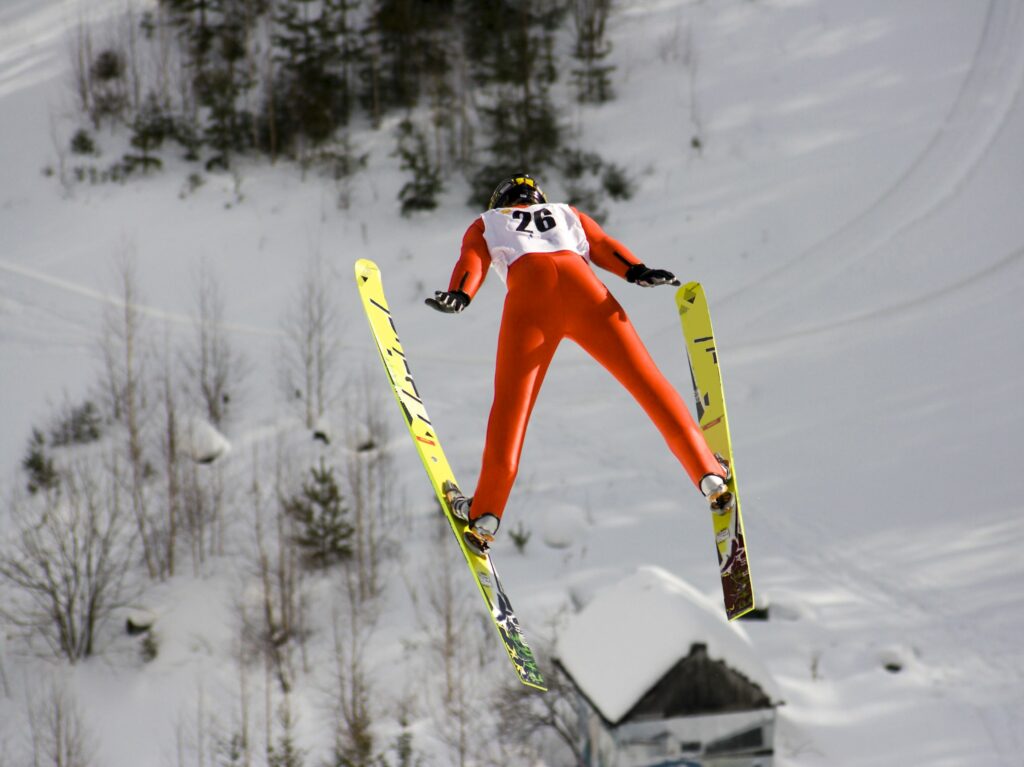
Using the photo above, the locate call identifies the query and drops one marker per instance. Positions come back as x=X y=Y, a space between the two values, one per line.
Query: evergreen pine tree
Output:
x=405 y=45
x=592 y=76
x=323 y=530
x=150 y=127
x=581 y=170
x=314 y=46
x=421 y=190
x=216 y=36
x=192 y=17
x=221 y=86
x=511 y=49
x=109 y=95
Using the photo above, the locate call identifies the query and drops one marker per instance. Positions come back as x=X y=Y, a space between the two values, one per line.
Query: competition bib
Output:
x=511 y=233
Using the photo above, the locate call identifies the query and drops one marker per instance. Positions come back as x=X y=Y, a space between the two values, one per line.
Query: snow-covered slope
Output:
x=853 y=214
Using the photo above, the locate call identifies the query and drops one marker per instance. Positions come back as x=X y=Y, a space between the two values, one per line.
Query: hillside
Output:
x=852 y=212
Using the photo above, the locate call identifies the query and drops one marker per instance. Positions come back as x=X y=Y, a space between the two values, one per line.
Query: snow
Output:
x=624 y=641
x=203 y=441
x=565 y=525
x=854 y=214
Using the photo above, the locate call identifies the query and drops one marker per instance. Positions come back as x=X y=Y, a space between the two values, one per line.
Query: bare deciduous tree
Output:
x=444 y=609
x=215 y=368
x=527 y=717
x=353 y=631
x=66 y=563
x=172 y=465
x=5 y=686
x=203 y=738
x=58 y=732
x=204 y=492
x=81 y=56
x=369 y=473
x=284 y=750
x=310 y=355
x=124 y=359
x=277 y=623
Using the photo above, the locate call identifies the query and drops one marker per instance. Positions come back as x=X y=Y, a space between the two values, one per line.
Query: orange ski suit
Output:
x=552 y=296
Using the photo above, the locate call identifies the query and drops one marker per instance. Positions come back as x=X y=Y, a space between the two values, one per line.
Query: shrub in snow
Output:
x=77 y=425
x=41 y=470
x=150 y=647
x=83 y=143
x=520 y=537
x=616 y=183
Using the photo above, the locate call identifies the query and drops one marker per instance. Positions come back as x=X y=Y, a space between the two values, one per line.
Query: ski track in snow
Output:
x=929 y=301
x=32 y=35
x=934 y=178
x=104 y=298
x=911 y=604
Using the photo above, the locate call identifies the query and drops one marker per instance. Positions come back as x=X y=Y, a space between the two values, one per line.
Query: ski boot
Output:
x=479 y=533
x=719 y=496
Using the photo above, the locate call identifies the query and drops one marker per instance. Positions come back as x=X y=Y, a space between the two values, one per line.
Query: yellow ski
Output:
x=730 y=540
x=385 y=333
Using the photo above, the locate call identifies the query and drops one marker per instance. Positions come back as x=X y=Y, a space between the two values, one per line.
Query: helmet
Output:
x=520 y=189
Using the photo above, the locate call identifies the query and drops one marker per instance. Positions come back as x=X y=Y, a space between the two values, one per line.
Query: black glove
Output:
x=640 y=275
x=451 y=302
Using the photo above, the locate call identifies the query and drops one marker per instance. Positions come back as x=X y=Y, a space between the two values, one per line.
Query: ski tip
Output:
x=364 y=267
x=687 y=294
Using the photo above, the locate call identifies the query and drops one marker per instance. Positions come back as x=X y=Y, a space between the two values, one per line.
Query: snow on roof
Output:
x=629 y=636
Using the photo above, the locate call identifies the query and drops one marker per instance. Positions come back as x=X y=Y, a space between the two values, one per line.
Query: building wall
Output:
x=743 y=739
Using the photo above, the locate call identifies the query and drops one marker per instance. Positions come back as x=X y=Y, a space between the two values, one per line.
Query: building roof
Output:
x=630 y=636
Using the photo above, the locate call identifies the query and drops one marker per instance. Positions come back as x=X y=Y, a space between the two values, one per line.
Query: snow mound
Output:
x=564 y=525
x=202 y=440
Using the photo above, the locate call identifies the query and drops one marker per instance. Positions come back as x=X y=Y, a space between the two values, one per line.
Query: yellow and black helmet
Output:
x=521 y=189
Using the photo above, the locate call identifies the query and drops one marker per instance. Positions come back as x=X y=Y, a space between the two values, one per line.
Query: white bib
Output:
x=511 y=233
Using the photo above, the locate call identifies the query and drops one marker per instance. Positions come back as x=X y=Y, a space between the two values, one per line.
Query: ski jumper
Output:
x=542 y=252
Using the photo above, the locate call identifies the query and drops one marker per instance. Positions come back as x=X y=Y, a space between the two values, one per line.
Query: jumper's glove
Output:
x=641 y=275
x=449 y=302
